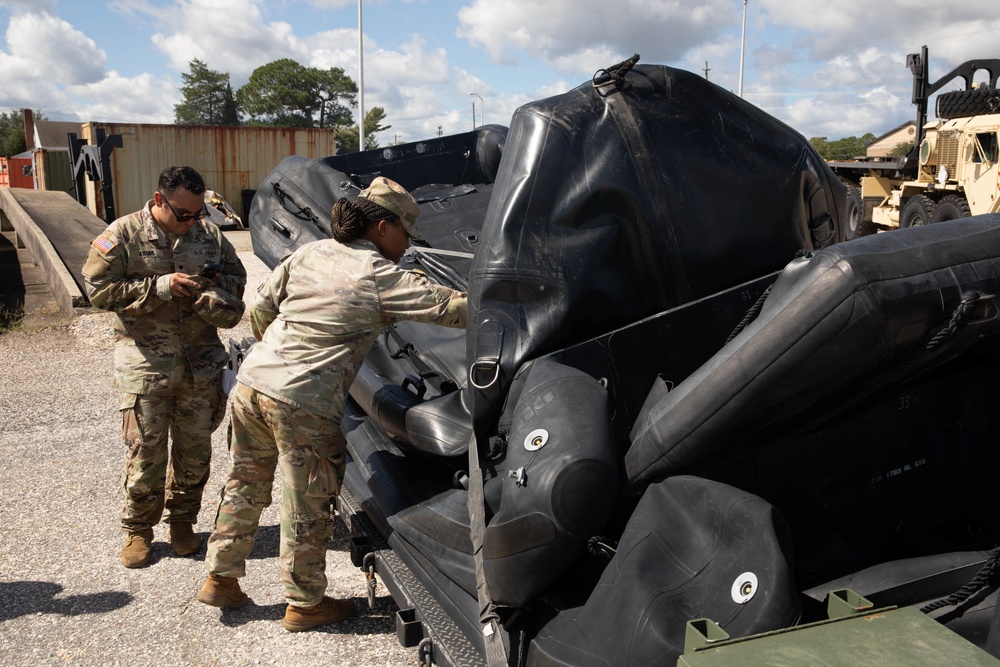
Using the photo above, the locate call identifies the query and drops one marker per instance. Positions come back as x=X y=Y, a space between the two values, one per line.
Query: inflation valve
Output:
x=744 y=587
x=536 y=439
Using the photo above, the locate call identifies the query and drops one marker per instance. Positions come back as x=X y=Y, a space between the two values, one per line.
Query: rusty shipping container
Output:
x=16 y=172
x=232 y=159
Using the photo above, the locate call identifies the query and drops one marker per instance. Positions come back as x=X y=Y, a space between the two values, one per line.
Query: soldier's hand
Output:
x=181 y=284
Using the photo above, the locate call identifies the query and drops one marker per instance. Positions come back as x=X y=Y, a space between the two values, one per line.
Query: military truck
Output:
x=952 y=170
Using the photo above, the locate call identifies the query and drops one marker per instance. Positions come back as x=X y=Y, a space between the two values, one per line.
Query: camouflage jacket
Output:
x=319 y=312
x=159 y=337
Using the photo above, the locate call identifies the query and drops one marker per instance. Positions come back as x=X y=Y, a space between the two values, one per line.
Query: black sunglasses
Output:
x=184 y=217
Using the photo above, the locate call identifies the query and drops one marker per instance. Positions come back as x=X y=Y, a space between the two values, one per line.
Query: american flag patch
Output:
x=103 y=244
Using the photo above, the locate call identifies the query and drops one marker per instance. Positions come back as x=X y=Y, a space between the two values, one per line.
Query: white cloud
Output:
x=115 y=98
x=335 y=48
x=228 y=35
x=581 y=36
x=45 y=47
x=45 y=54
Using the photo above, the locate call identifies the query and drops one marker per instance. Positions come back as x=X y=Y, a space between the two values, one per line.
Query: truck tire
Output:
x=963 y=103
x=951 y=207
x=853 y=214
x=915 y=211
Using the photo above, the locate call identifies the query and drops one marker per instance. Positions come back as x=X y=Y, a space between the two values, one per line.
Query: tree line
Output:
x=850 y=148
x=281 y=93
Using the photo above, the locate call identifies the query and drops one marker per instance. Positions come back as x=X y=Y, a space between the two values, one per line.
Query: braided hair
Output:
x=350 y=219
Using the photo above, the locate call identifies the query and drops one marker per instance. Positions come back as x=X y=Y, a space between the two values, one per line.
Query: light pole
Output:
x=361 y=83
x=482 y=111
x=743 y=43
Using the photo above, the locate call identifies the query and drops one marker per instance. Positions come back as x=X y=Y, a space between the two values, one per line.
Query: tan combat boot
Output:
x=327 y=611
x=137 y=547
x=222 y=592
x=183 y=540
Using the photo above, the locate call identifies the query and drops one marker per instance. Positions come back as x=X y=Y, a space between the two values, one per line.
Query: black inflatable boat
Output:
x=681 y=397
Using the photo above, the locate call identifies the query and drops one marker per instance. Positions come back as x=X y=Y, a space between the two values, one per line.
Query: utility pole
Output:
x=706 y=70
x=743 y=44
x=482 y=110
x=361 y=82
x=440 y=131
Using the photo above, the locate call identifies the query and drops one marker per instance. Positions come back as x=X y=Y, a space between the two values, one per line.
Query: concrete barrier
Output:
x=57 y=232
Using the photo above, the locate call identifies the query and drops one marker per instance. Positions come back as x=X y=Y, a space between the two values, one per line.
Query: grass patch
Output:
x=11 y=317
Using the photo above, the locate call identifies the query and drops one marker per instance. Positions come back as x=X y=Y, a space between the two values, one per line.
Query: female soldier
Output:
x=316 y=317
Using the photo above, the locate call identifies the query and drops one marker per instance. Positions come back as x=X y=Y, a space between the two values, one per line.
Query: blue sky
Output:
x=826 y=69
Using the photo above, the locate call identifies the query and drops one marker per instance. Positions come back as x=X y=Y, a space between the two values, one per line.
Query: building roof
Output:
x=893 y=131
x=51 y=134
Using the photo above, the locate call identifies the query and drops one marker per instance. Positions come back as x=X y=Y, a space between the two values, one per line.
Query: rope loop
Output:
x=616 y=73
x=982 y=579
x=959 y=319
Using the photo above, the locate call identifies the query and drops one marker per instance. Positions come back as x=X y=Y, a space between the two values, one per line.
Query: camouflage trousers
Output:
x=310 y=449
x=188 y=419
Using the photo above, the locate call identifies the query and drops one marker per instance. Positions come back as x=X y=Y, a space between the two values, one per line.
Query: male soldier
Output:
x=316 y=317
x=172 y=279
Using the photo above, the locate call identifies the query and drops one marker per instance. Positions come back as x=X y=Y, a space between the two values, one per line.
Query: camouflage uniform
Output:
x=168 y=359
x=317 y=315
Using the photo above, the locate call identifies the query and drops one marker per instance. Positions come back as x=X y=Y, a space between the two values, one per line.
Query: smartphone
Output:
x=209 y=270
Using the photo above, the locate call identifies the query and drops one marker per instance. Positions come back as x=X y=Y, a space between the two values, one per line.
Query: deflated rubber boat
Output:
x=686 y=420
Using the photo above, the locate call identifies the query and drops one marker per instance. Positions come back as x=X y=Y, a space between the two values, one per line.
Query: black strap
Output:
x=302 y=212
x=497 y=653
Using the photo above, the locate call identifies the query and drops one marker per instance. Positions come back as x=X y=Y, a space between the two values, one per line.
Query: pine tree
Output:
x=347 y=138
x=205 y=98
x=230 y=110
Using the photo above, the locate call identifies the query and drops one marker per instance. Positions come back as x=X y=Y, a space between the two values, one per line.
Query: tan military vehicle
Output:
x=953 y=170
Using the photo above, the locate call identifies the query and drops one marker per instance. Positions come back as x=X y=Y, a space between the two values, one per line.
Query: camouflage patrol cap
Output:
x=218 y=307
x=394 y=197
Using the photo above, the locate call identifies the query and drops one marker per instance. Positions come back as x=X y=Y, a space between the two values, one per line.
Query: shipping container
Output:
x=52 y=170
x=231 y=159
x=16 y=172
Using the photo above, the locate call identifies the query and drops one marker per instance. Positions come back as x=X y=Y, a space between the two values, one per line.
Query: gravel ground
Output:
x=65 y=599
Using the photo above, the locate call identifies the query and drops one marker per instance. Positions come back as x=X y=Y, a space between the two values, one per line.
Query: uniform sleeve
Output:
x=108 y=285
x=270 y=294
x=406 y=295
x=234 y=275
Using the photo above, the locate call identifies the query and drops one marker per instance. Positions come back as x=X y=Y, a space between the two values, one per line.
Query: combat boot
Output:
x=222 y=592
x=327 y=611
x=137 y=548
x=183 y=540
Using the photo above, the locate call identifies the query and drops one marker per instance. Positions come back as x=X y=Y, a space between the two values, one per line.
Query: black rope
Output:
x=601 y=546
x=751 y=314
x=298 y=211
x=615 y=73
x=958 y=319
x=976 y=584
